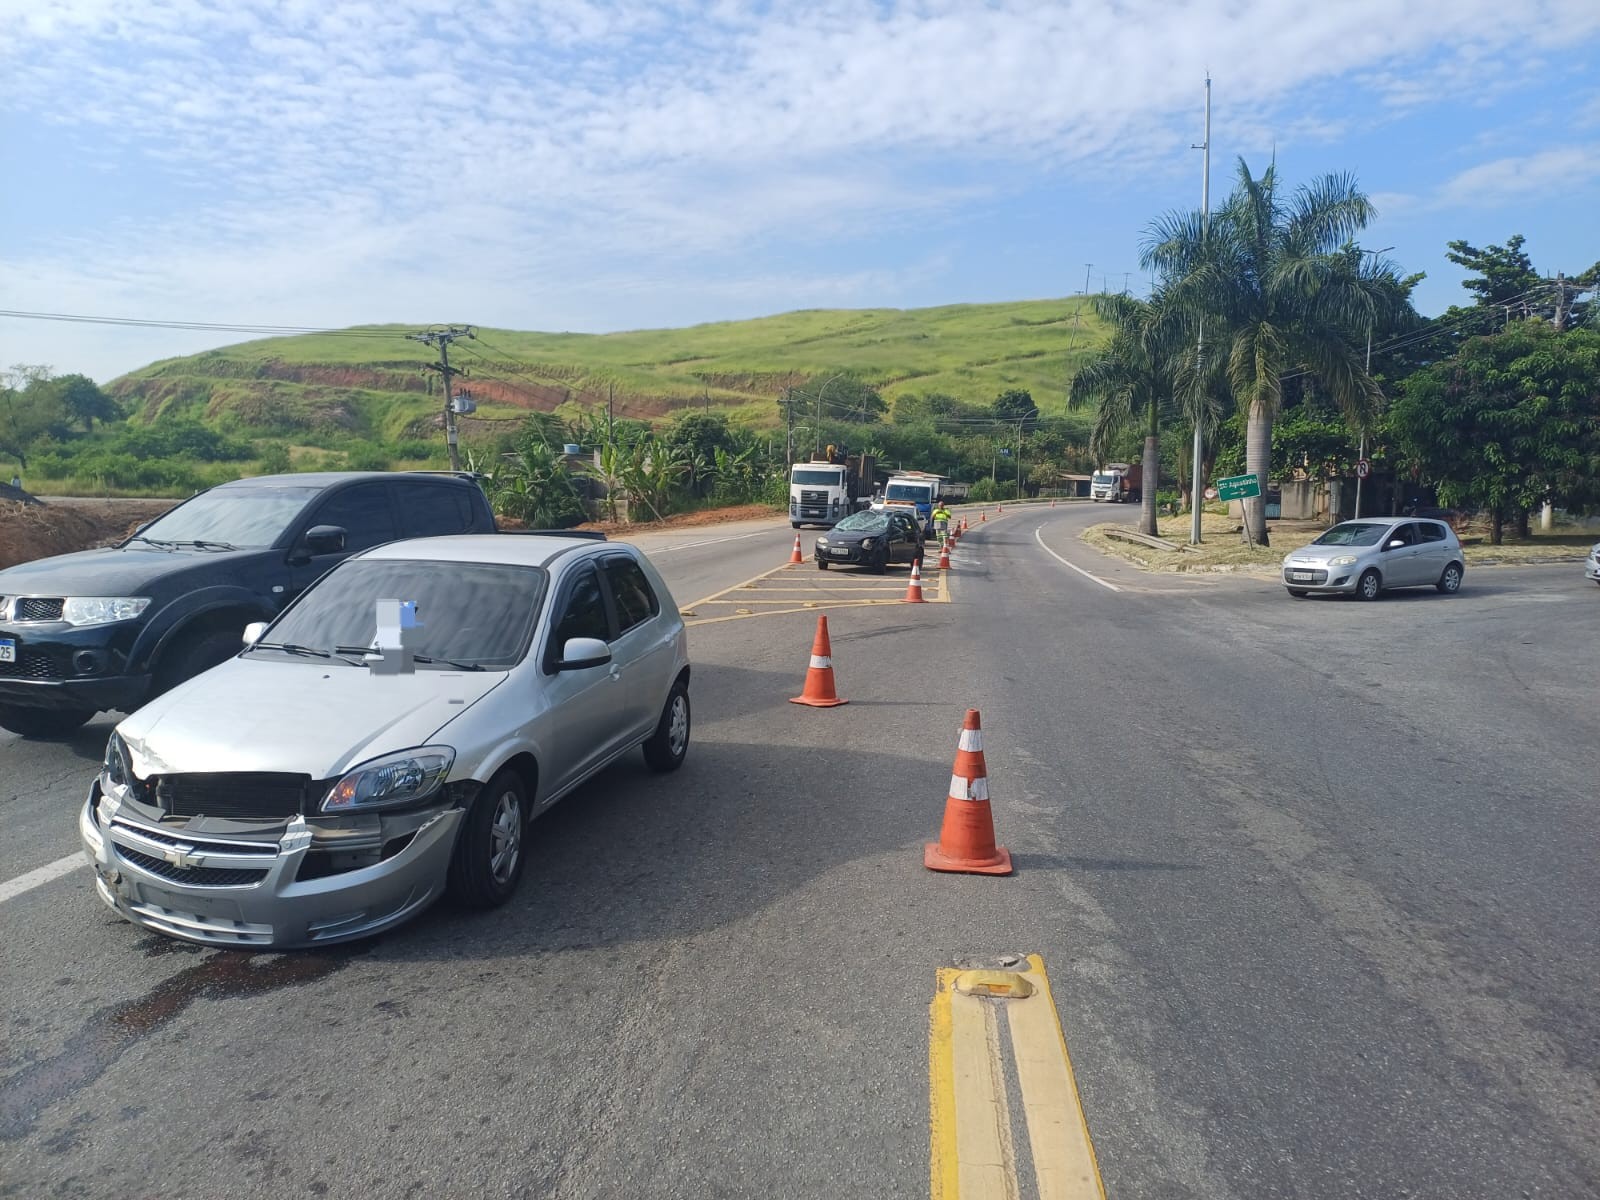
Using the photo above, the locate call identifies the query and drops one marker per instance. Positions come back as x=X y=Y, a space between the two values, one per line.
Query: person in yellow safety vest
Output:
x=941 y=521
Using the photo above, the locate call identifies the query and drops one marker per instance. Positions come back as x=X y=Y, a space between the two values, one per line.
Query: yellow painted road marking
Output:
x=972 y=1151
x=808 y=592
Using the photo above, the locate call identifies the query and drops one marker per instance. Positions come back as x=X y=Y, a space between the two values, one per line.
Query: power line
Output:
x=200 y=326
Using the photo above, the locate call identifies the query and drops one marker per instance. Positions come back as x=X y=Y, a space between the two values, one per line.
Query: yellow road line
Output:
x=972 y=1153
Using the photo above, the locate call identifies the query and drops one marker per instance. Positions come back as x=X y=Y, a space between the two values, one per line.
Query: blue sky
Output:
x=577 y=165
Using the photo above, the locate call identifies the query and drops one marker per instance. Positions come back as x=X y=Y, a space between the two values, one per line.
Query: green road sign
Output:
x=1238 y=487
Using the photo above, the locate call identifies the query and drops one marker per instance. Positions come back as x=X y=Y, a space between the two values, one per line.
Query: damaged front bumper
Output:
x=292 y=886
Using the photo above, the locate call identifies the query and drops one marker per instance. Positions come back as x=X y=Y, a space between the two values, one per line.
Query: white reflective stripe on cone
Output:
x=972 y=739
x=969 y=789
x=818 y=661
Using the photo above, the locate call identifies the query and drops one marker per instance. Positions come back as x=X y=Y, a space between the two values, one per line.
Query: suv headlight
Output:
x=868 y=543
x=102 y=610
x=391 y=781
x=1344 y=560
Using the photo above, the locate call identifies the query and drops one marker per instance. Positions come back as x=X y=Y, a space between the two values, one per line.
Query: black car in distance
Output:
x=871 y=539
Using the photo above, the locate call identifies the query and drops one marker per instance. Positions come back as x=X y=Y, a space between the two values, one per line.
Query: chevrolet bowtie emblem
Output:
x=182 y=857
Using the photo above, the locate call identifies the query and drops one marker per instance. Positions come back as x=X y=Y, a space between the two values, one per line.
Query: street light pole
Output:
x=1197 y=482
x=816 y=452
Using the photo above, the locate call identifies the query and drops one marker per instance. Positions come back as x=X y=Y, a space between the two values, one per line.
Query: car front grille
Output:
x=242 y=794
x=1316 y=576
x=193 y=876
x=36 y=664
x=36 y=608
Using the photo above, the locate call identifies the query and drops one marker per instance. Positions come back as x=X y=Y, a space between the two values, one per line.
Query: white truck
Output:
x=823 y=492
x=916 y=491
x=1117 y=482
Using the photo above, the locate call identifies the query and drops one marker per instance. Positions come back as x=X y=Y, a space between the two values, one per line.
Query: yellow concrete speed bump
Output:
x=993 y=983
x=978 y=1020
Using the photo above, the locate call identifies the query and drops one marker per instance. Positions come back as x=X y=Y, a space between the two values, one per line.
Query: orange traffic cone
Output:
x=999 y=508
x=914 y=588
x=944 y=556
x=983 y=515
x=1052 y=504
x=819 y=691
x=963 y=524
x=966 y=840
x=796 y=556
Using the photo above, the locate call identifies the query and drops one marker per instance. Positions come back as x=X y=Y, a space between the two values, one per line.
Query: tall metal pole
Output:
x=1196 y=494
x=1363 y=452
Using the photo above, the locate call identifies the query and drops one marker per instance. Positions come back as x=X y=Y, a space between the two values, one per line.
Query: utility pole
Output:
x=1087 y=267
x=1196 y=494
x=611 y=412
x=1019 y=458
x=442 y=339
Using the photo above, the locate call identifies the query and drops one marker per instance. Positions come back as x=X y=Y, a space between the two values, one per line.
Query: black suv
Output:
x=111 y=628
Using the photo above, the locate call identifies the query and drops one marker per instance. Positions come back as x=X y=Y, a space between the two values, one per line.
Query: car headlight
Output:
x=115 y=765
x=822 y=541
x=1344 y=560
x=391 y=781
x=102 y=610
x=868 y=543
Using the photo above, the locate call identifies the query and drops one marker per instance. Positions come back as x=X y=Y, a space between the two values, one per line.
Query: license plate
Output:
x=1300 y=574
x=839 y=552
x=8 y=650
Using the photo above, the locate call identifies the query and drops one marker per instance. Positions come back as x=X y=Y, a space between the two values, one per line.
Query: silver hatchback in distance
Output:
x=1364 y=558
x=387 y=740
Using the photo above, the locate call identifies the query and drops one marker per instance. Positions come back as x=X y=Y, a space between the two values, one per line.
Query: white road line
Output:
x=737 y=537
x=1065 y=563
x=13 y=888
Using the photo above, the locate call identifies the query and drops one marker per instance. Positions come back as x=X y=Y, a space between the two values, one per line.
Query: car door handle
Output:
x=615 y=672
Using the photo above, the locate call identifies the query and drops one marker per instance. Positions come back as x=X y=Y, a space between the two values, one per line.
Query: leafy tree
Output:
x=1271 y=277
x=1016 y=404
x=1505 y=274
x=84 y=400
x=1511 y=420
x=29 y=414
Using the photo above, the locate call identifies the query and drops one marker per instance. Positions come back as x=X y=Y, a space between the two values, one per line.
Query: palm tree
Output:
x=1134 y=379
x=1270 y=275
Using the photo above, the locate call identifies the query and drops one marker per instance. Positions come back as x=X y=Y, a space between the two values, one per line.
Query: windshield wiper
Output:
x=449 y=662
x=157 y=542
x=296 y=648
x=203 y=544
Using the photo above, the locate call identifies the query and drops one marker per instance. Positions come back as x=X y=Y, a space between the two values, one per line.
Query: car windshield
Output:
x=864 y=522
x=1352 y=533
x=817 y=478
x=907 y=491
x=472 y=614
x=235 y=516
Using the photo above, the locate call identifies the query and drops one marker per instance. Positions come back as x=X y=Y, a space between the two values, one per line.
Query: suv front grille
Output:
x=195 y=876
x=241 y=794
x=35 y=664
x=36 y=608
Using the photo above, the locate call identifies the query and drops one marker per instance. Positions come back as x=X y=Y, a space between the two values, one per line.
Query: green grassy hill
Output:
x=369 y=383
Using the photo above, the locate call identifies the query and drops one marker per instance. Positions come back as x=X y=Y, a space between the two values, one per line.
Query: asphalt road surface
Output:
x=1316 y=883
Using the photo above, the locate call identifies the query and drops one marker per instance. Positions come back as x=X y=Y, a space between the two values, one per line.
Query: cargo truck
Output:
x=916 y=491
x=824 y=491
x=1117 y=482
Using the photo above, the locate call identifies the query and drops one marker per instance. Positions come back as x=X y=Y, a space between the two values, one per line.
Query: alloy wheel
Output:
x=505 y=837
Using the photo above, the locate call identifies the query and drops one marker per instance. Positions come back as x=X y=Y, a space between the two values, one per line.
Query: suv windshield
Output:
x=865 y=521
x=476 y=614
x=237 y=516
x=1352 y=533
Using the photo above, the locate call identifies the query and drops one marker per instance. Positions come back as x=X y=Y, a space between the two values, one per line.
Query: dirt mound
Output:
x=35 y=530
x=706 y=516
x=16 y=495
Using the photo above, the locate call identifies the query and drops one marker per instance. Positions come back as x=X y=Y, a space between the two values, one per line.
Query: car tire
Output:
x=492 y=844
x=1369 y=586
x=822 y=564
x=196 y=653
x=794 y=524
x=43 y=722
x=1299 y=593
x=1450 y=582
x=666 y=748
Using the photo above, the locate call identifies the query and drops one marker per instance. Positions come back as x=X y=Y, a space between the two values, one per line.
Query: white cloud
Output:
x=1517 y=177
x=360 y=161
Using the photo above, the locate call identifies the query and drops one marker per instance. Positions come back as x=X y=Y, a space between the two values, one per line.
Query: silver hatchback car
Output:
x=387 y=740
x=1365 y=557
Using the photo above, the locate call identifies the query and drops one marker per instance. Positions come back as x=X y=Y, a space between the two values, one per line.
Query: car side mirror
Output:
x=1394 y=545
x=581 y=653
x=325 y=539
x=253 y=632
